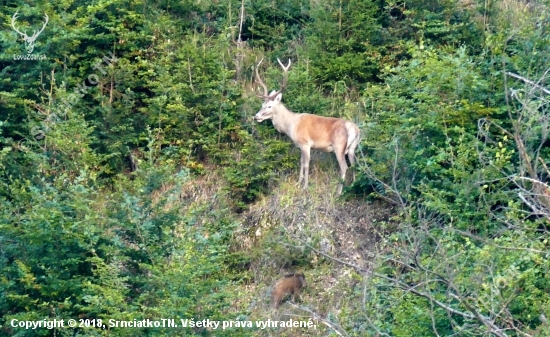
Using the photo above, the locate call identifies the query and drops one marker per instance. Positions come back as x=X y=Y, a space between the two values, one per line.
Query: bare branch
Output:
x=239 y=41
x=491 y=243
x=412 y=289
x=338 y=330
x=528 y=82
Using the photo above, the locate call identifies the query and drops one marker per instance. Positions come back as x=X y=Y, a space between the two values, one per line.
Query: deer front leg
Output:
x=301 y=170
x=304 y=169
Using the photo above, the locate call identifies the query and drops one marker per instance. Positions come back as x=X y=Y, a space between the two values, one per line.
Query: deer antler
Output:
x=259 y=81
x=266 y=94
x=285 y=77
x=285 y=72
x=13 y=18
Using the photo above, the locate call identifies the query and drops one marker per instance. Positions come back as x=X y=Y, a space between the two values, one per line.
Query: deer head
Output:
x=272 y=99
x=29 y=40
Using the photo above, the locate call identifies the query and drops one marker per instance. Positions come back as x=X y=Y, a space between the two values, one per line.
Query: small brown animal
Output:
x=290 y=284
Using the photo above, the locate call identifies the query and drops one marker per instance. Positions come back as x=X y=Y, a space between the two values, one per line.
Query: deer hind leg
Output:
x=353 y=142
x=304 y=166
x=340 y=147
x=351 y=154
x=341 y=157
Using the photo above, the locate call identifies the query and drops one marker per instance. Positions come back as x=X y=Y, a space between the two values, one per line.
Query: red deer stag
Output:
x=309 y=131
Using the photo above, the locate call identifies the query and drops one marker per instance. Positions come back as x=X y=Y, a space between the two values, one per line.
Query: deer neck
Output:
x=284 y=119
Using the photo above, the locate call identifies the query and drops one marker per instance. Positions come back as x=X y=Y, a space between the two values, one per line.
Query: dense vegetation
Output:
x=133 y=181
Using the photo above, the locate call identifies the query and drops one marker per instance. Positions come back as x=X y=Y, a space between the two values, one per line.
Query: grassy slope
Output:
x=276 y=234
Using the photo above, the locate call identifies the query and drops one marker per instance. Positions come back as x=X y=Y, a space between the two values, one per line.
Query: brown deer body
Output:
x=309 y=131
x=289 y=285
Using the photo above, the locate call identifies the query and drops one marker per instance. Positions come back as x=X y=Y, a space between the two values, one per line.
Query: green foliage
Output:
x=342 y=41
x=135 y=99
x=273 y=25
x=258 y=165
x=70 y=250
x=424 y=117
x=440 y=146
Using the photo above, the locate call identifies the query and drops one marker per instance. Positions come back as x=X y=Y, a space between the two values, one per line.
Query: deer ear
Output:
x=278 y=98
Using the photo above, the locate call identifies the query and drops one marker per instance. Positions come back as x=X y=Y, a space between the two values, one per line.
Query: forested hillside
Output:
x=136 y=185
